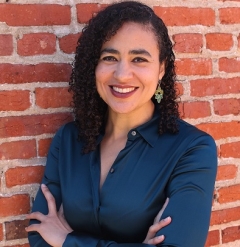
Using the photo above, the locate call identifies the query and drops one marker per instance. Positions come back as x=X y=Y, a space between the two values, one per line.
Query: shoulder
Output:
x=199 y=146
x=68 y=128
x=187 y=142
x=67 y=133
x=193 y=134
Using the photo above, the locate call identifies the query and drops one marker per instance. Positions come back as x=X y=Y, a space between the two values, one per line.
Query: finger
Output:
x=36 y=215
x=60 y=211
x=158 y=217
x=62 y=219
x=156 y=240
x=33 y=227
x=150 y=234
x=159 y=225
x=153 y=229
x=50 y=199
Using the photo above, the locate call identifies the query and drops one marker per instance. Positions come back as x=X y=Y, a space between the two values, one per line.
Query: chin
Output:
x=122 y=110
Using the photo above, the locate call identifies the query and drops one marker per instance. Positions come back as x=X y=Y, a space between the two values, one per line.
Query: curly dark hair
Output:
x=89 y=109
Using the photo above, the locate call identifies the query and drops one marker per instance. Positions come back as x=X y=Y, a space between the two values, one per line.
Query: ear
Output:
x=161 y=70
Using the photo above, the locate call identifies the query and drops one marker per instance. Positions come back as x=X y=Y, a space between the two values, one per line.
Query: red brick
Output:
x=219 y=41
x=213 y=238
x=36 y=43
x=229 y=15
x=230 y=150
x=218 y=151
x=229 y=194
x=183 y=16
x=230 y=234
x=16 y=229
x=227 y=106
x=53 y=97
x=230 y=65
x=226 y=172
x=43 y=146
x=14 y=205
x=214 y=86
x=225 y=215
x=68 y=43
x=196 y=109
x=197 y=66
x=85 y=11
x=32 y=125
x=222 y=129
x=35 y=14
x=180 y=108
x=44 y=72
x=179 y=88
x=188 y=43
x=24 y=175
x=16 y=100
x=18 y=150
x=1 y=232
x=6 y=44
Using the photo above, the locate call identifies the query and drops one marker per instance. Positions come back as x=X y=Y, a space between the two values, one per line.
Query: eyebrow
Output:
x=140 y=52
x=109 y=50
x=133 y=52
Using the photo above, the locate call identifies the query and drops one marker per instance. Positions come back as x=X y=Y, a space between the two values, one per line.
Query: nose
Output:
x=123 y=71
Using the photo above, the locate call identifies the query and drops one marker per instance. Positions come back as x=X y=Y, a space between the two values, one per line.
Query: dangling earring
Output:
x=159 y=93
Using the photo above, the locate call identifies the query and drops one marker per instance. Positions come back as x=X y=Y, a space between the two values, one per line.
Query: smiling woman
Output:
x=128 y=172
x=128 y=71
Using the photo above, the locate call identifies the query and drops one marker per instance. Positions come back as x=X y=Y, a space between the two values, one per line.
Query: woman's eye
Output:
x=109 y=58
x=139 y=59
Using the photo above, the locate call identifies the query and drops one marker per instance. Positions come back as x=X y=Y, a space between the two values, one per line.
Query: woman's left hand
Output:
x=157 y=225
x=52 y=227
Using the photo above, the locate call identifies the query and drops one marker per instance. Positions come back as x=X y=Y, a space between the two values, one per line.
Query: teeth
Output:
x=123 y=90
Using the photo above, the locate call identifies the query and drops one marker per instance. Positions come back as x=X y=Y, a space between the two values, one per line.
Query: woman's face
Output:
x=128 y=70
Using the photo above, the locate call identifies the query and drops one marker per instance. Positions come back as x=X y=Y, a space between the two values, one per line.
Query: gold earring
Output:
x=159 y=93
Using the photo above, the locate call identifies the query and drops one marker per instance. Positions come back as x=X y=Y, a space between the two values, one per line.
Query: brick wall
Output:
x=37 y=41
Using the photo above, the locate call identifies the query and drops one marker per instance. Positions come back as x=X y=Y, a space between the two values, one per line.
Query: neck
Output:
x=118 y=124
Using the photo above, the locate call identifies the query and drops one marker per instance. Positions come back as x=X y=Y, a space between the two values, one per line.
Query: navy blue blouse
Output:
x=149 y=169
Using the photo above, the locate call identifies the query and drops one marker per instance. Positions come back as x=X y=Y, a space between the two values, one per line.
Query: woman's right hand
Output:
x=151 y=237
x=52 y=227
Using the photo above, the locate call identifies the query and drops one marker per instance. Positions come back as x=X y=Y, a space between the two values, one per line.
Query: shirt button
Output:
x=134 y=133
x=112 y=170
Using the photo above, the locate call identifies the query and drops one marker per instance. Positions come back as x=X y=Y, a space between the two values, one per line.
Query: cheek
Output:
x=100 y=74
x=99 y=82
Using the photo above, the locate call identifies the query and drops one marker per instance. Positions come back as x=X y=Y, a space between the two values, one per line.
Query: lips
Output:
x=123 y=90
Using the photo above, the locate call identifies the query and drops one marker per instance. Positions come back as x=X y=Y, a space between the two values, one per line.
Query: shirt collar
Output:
x=149 y=130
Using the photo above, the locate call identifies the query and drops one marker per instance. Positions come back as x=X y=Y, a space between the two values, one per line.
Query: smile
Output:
x=123 y=90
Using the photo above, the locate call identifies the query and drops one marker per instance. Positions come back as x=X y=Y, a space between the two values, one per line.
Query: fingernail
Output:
x=44 y=185
x=166 y=219
x=161 y=237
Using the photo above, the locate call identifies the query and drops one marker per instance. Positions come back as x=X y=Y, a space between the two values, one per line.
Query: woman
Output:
x=111 y=171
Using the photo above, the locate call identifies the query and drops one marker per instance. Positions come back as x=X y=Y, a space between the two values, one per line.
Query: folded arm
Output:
x=45 y=228
x=190 y=189
x=55 y=231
